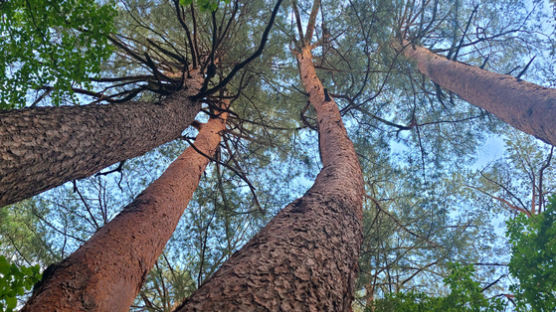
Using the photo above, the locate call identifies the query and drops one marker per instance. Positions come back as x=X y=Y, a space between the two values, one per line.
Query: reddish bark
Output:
x=43 y=147
x=525 y=106
x=305 y=259
x=106 y=273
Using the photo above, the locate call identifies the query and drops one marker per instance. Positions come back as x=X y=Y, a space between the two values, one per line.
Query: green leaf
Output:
x=11 y=303
x=14 y=280
x=65 y=43
x=4 y=266
x=532 y=262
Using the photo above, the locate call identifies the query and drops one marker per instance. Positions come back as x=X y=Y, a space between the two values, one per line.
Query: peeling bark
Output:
x=43 y=147
x=305 y=259
x=106 y=273
x=525 y=106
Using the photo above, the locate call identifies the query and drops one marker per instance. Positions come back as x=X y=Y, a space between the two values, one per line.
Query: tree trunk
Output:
x=305 y=259
x=525 y=106
x=106 y=273
x=41 y=148
x=370 y=296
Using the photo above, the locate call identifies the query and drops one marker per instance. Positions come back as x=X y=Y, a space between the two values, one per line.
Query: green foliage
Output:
x=533 y=243
x=53 y=43
x=14 y=281
x=206 y=5
x=165 y=287
x=465 y=296
x=22 y=238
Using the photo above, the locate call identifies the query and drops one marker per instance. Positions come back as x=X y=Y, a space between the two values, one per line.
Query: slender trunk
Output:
x=370 y=296
x=305 y=259
x=533 y=197
x=41 y=148
x=106 y=273
x=525 y=106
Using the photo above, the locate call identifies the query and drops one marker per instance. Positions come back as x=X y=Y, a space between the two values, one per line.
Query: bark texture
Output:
x=525 y=106
x=41 y=148
x=106 y=273
x=305 y=259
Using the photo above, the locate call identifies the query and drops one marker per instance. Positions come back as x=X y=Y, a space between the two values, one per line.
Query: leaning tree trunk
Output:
x=41 y=148
x=106 y=273
x=525 y=106
x=305 y=259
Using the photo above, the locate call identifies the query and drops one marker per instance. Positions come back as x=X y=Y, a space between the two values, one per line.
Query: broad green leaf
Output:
x=51 y=44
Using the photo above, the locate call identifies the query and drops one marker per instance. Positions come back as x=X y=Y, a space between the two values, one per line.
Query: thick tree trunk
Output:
x=305 y=259
x=106 y=273
x=41 y=148
x=525 y=106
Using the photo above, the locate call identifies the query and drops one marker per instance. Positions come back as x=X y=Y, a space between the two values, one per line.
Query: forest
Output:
x=277 y=155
